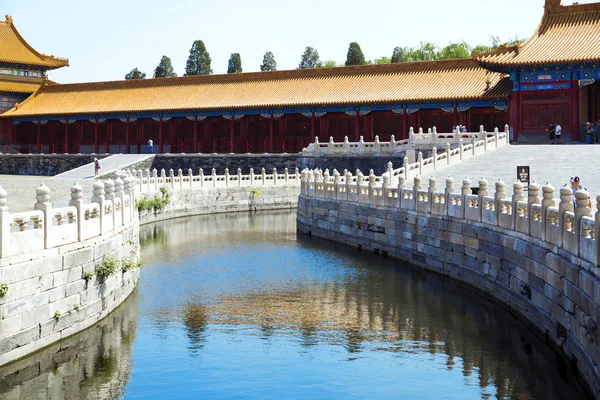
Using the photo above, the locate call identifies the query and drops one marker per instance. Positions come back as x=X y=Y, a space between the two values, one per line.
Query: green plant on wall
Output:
x=106 y=267
x=57 y=314
x=156 y=203
x=3 y=289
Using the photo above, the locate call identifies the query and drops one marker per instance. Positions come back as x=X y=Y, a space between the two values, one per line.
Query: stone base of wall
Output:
x=43 y=164
x=557 y=296
x=189 y=202
x=48 y=298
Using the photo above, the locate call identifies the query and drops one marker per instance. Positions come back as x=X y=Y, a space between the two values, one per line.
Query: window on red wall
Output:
x=540 y=107
x=440 y=119
x=490 y=118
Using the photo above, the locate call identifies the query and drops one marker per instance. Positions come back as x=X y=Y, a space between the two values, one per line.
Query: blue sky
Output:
x=105 y=40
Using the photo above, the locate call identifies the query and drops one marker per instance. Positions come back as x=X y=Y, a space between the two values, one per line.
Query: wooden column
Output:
x=313 y=127
x=127 y=137
x=357 y=126
x=140 y=135
x=39 y=136
x=207 y=135
x=455 y=117
x=160 y=135
x=173 y=134
x=271 y=132
x=232 y=133
x=244 y=134
x=52 y=138
x=111 y=135
x=66 y=135
x=574 y=122
x=195 y=139
x=404 y=125
x=96 y=147
x=79 y=135
x=514 y=114
x=282 y=133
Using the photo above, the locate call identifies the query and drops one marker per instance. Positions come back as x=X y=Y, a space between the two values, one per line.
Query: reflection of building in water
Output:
x=414 y=313
x=93 y=364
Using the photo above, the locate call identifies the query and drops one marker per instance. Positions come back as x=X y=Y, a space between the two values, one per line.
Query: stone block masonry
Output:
x=540 y=260
x=47 y=257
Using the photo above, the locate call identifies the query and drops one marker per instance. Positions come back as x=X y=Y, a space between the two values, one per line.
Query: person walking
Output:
x=150 y=146
x=575 y=186
x=589 y=133
x=96 y=166
x=558 y=132
x=550 y=130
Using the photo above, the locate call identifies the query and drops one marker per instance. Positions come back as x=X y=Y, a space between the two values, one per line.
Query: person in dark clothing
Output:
x=551 y=132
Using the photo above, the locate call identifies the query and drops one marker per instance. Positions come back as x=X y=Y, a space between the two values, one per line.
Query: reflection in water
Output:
x=94 y=364
x=241 y=277
x=236 y=306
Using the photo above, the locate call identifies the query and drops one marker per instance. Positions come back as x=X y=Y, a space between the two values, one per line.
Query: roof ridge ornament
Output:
x=9 y=19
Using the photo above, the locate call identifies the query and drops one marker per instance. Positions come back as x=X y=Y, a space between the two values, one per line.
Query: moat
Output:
x=240 y=306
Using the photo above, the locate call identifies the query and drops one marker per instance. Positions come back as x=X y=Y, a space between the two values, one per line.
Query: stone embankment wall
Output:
x=538 y=259
x=47 y=260
x=43 y=164
x=210 y=194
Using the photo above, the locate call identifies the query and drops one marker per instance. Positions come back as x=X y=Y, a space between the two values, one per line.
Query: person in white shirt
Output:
x=150 y=146
x=558 y=133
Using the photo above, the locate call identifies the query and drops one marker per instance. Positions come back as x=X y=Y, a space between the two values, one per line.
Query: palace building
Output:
x=551 y=76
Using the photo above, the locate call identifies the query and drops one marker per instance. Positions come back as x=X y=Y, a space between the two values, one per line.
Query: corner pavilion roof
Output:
x=15 y=50
x=370 y=84
x=566 y=34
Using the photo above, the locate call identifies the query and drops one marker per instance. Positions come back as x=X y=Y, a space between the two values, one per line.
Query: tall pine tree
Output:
x=198 y=62
x=400 y=54
x=310 y=59
x=355 y=55
x=269 y=63
x=235 y=64
x=164 y=69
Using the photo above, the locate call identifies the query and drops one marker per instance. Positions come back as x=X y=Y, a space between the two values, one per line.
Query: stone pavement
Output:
x=21 y=190
x=107 y=165
x=549 y=163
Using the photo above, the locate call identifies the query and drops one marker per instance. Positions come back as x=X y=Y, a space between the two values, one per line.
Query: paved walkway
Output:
x=549 y=163
x=107 y=165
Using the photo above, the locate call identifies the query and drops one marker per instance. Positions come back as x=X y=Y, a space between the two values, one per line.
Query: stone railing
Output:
x=537 y=254
x=47 y=227
x=48 y=262
x=559 y=223
x=489 y=140
x=150 y=181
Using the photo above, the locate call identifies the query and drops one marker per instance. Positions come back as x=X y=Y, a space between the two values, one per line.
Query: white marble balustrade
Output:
x=537 y=214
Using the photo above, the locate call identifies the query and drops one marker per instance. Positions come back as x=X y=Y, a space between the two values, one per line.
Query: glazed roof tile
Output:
x=404 y=82
x=19 y=85
x=566 y=34
x=14 y=49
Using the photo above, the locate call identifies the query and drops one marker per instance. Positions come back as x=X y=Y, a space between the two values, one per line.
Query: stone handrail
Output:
x=150 y=182
x=429 y=138
x=559 y=223
x=46 y=227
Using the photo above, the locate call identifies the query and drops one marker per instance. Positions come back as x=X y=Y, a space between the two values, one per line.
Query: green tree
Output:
x=355 y=55
x=269 y=63
x=455 y=50
x=310 y=59
x=382 y=60
x=135 y=74
x=400 y=54
x=330 y=64
x=164 y=69
x=198 y=62
x=426 y=52
x=235 y=64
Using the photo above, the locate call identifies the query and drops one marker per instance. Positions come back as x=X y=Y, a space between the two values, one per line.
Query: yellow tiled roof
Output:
x=566 y=34
x=19 y=85
x=14 y=49
x=403 y=82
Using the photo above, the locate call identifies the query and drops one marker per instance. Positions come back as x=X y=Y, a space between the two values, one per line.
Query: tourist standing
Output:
x=150 y=146
x=575 y=186
x=558 y=132
x=597 y=129
x=550 y=130
x=589 y=133
x=96 y=166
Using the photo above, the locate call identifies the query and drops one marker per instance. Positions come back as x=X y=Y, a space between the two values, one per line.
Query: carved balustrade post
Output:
x=516 y=198
x=286 y=175
x=372 y=179
x=405 y=166
x=359 y=181
x=447 y=192
x=191 y=178
x=274 y=176
x=499 y=195
x=448 y=151
x=547 y=201
x=533 y=197
x=461 y=146
x=213 y=175
x=98 y=197
x=434 y=156
x=128 y=188
x=582 y=200
x=483 y=192
x=464 y=191
x=226 y=177
x=420 y=161
x=109 y=195
x=566 y=204
x=180 y=177
x=77 y=202
x=336 y=183
x=326 y=184
x=263 y=176
x=346 y=145
x=430 y=190
x=43 y=204
x=119 y=194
